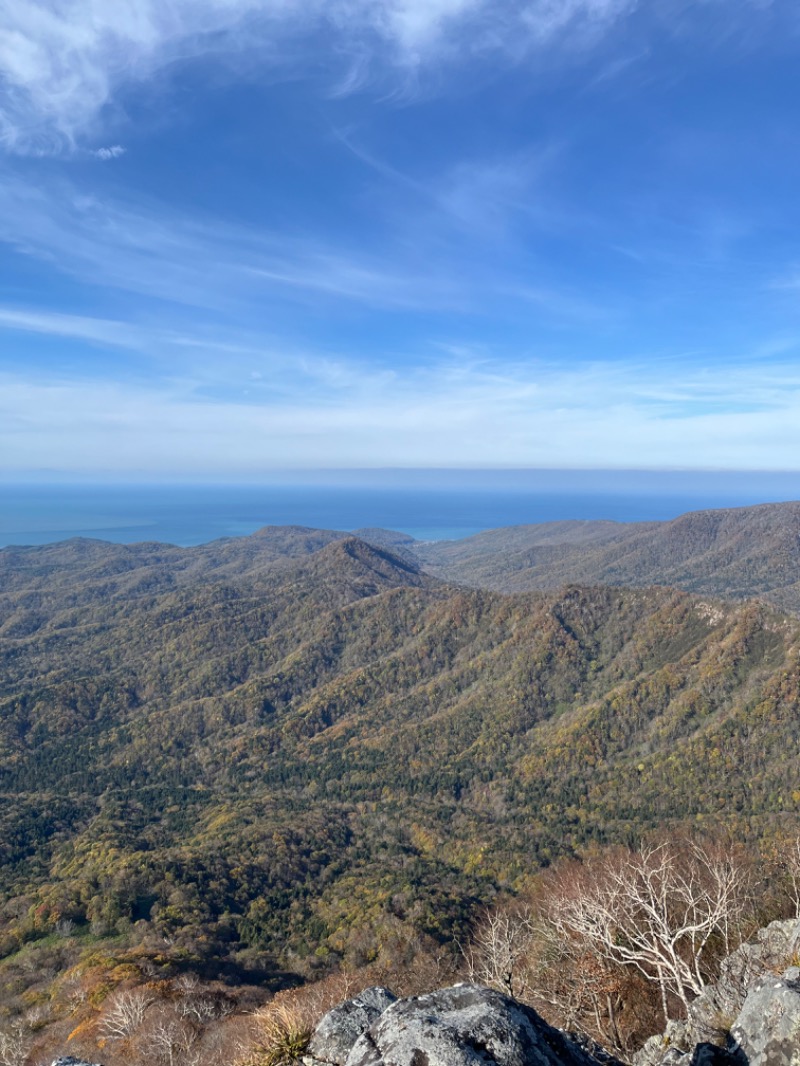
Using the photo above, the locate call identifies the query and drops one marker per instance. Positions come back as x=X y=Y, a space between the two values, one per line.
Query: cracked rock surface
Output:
x=463 y=1026
x=336 y=1034
x=767 y=1032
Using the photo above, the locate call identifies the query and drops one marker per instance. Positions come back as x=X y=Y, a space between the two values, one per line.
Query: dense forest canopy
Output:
x=272 y=750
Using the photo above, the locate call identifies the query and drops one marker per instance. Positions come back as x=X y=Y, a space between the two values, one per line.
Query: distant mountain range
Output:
x=738 y=553
x=301 y=743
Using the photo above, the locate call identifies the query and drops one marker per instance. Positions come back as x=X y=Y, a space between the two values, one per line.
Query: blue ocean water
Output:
x=192 y=514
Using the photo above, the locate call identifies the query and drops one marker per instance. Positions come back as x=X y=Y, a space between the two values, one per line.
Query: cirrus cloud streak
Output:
x=63 y=61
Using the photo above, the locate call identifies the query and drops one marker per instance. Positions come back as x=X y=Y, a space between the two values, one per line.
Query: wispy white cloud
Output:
x=484 y=197
x=204 y=360
x=786 y=282
x=153 y=251
x=618 y=66
x=113 y=151
x=456 y=413
x=51 y=323
x=62 y=62
x=490 y=196
x=412 y=24
x=546 y=18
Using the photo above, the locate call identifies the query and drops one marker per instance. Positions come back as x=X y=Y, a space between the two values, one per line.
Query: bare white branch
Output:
x=656 y=910
x=125 y=1014
x=500 y=951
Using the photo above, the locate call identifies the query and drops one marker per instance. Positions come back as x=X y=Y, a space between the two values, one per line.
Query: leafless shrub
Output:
x=790 y=860
x=170 y=1040
x=204 y=1007
x=500 y=952
x=15 y=1045
x=187 y=982
x=125 y=1014
x=577 y=990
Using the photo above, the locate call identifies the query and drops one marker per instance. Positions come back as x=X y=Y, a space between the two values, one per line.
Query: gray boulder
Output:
x=465 y=1026
x=767 y=1031
x=341 y=1027
x=658 y=1051
x=669 y=1048
x=719 y=1004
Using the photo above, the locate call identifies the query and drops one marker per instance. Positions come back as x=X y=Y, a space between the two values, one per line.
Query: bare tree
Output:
x=187 y=982
x=15 y=1044
x=204 y=1007
x=37 y=1016
x=791 y=864
x=499 y=954
x=170 y=1040
x=657 y=910
x=125 y=1014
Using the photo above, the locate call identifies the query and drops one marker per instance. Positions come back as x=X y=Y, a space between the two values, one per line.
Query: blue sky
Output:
x=246 y=235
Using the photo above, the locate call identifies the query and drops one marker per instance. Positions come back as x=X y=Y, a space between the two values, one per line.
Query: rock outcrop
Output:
x=749 y=1017
x=466 y=1025
x=340 y=1029
x=767 y=1031
x=770 y=952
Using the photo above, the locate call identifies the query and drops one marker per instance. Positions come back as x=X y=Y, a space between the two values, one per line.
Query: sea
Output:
x=187 y=514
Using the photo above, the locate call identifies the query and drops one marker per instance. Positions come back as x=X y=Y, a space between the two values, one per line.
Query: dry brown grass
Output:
x=283 y=1030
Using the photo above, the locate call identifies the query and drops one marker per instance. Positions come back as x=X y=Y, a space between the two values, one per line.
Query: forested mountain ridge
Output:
x=739 y=552
x=83 y=570
x=284 y=762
